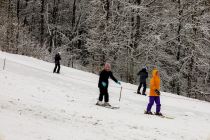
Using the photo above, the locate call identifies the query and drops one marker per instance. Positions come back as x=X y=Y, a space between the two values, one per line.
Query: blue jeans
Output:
x=153 y=99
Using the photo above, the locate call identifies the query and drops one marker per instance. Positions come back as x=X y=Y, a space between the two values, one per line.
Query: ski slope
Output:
x=36 y=104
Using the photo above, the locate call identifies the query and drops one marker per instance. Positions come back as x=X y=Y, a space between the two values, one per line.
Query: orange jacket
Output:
x=154 y=83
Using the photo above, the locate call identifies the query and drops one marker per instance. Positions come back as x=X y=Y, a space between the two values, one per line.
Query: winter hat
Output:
x=145 y=67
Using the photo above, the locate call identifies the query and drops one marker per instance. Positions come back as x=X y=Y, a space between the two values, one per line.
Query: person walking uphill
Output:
x=104 y=83
x=154 y=93
x=57 y=63
x=143 y=76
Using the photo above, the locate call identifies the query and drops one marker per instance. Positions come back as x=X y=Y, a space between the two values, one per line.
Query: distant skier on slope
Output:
x=143 y=77
x=154 y=93
x=104 y=83
x=57 y=63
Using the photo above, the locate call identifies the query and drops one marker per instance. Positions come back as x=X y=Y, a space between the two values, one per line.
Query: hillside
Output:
x=39 y=105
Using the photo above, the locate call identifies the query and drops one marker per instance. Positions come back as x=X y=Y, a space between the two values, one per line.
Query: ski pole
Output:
x=120 y=93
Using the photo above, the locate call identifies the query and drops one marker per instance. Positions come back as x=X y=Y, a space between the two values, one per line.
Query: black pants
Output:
x=57 y=66
x=104 y=93
x=144 y=87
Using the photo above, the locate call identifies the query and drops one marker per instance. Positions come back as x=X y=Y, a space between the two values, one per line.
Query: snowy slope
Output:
x=36 y=104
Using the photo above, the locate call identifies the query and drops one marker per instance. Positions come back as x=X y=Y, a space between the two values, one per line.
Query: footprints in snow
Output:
x=69 y=98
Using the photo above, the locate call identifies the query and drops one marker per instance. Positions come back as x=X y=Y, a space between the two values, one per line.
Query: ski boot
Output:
x=148 y=112
x=107 y=104
x=138 y=92
x=144 y=94
x=99 y=103
x=158 y=114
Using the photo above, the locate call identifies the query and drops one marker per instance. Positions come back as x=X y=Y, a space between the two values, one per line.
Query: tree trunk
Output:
x=10 y=28
x=179 y=46
x=74 y=14
x=18 y=20
x=42 y=23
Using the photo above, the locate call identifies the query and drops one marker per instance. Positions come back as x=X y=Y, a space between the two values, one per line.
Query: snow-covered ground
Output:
x=36 y=104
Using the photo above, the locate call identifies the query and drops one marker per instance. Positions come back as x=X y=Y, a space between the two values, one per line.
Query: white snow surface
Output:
x=36 y=104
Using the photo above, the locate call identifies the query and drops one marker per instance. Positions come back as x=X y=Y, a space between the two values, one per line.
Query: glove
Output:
x=157 y=91
x=104 y=84
x=118 y=83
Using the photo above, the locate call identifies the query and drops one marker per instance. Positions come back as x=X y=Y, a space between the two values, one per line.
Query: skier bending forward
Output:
x=104 y=83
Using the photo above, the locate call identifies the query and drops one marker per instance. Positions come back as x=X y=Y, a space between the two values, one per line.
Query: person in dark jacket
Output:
x=57 y=63
x=143 y=76
x=104 y=83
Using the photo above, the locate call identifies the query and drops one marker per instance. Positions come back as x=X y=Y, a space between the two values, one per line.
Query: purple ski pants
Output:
x=153 y=99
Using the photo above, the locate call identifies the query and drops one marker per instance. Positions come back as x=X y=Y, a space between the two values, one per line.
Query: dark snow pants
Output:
x=144 y=87
x=57 y=67
x=153 y=99
x=104 y=94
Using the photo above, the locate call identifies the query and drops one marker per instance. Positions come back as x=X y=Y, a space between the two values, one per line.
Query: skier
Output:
x=57 y=63
x=104 y=83
x=143 y=76
x=154 y=93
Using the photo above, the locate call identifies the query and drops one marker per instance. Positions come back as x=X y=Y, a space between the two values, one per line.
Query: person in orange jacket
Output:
x=154 y=93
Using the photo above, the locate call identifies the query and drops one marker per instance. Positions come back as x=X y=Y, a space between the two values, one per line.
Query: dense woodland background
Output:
x=172 y=35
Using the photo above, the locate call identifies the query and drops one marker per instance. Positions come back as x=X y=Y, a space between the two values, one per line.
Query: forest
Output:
x=170 y=35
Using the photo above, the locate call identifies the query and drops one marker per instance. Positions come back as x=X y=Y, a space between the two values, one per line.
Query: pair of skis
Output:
x=167 y=117
x=161 y=116
x=110 y=107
